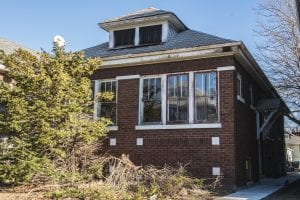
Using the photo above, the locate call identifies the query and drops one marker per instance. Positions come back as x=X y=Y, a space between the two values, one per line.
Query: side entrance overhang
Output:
x=270 y=136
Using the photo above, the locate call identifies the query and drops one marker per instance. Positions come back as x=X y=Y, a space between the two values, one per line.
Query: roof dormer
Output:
x=149 y=26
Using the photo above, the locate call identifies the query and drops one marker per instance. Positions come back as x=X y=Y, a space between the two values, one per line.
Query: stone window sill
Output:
x=178 y=126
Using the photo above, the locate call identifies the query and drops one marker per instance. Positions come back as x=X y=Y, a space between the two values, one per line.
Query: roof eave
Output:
x=244 y=54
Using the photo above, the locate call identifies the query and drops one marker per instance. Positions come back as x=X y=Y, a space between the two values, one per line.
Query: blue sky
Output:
x=34 y=23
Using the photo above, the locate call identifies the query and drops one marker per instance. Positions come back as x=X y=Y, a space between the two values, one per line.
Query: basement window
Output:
x=124 y=37
x=150 y=34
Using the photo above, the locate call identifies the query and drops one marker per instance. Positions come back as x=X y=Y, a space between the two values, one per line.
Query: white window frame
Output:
x=163 y=99
x=240 y=88
x=98 y=82
x=217 y=95
x=191 y=123
x=164 y=33
x=190 y=98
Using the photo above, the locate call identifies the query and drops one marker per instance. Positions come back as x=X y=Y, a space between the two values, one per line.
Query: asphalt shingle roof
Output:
x=148 y=12
x=9 y=46
x=184 y=39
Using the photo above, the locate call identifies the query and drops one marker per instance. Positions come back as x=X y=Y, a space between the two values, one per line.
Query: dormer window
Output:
x=124 y=37
x=150 y=34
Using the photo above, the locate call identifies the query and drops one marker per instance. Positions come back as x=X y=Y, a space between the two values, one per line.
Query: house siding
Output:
x=245 y=130
x=246 y=145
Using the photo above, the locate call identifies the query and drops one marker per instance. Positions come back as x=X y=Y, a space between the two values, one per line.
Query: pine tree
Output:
x=48 y=114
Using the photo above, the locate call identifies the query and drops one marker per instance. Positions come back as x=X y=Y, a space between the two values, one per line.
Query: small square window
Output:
x=139 y=141
x=216 y=171
x=112 y=141
x=215 y=140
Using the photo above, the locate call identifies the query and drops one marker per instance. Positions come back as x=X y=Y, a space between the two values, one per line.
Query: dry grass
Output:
x=126 y=181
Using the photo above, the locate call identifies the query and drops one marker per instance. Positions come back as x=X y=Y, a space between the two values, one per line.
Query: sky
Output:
x=34 y=23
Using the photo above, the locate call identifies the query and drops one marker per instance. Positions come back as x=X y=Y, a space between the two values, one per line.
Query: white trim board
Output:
x=158 y=58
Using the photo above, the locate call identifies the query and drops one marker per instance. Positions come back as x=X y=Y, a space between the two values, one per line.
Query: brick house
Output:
x=183 y=96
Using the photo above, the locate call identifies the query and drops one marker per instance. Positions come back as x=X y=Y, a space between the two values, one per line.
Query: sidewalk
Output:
x=266 y=187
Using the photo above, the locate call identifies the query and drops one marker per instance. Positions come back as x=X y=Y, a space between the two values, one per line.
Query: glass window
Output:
x=178 y=98
x=150 y=34
x=107 y=100
x=151 y=100
x=239 y=85
x=206 y=97
x=124 y=37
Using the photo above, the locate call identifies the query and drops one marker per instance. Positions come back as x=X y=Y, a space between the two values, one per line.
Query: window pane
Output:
x=212 y=114
x=199 y=85
x=173 y=114
x=152 y=111
x=183 y=109
x=211 y=86
x=150 y=34
x=172 y=86
x=124 y=37
x=158 y=88
x=206 y=97
x=200 y=108
x=108 y=110
x=151 y=88
x=102 y=87
x=107 y=106
x=113 y=89
x=178 y=93
x=108 y=87
x=184 y=85
x=151 y=100
x=145 y=89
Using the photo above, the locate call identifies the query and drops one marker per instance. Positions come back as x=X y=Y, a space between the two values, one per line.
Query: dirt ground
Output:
x=11 y=196
x=291 y=192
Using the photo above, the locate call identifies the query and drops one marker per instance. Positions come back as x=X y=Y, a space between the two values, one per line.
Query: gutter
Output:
x=167 y=56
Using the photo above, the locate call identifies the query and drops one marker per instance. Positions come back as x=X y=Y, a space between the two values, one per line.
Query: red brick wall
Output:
x=245 y=129
x=245 y=134
x=192 y=146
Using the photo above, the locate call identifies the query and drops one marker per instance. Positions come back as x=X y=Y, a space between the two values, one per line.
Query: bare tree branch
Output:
x=279 y=52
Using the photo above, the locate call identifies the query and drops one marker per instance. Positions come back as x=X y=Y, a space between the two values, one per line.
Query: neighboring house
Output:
x=293 y=143
x=183 y=96
x=8 y=47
